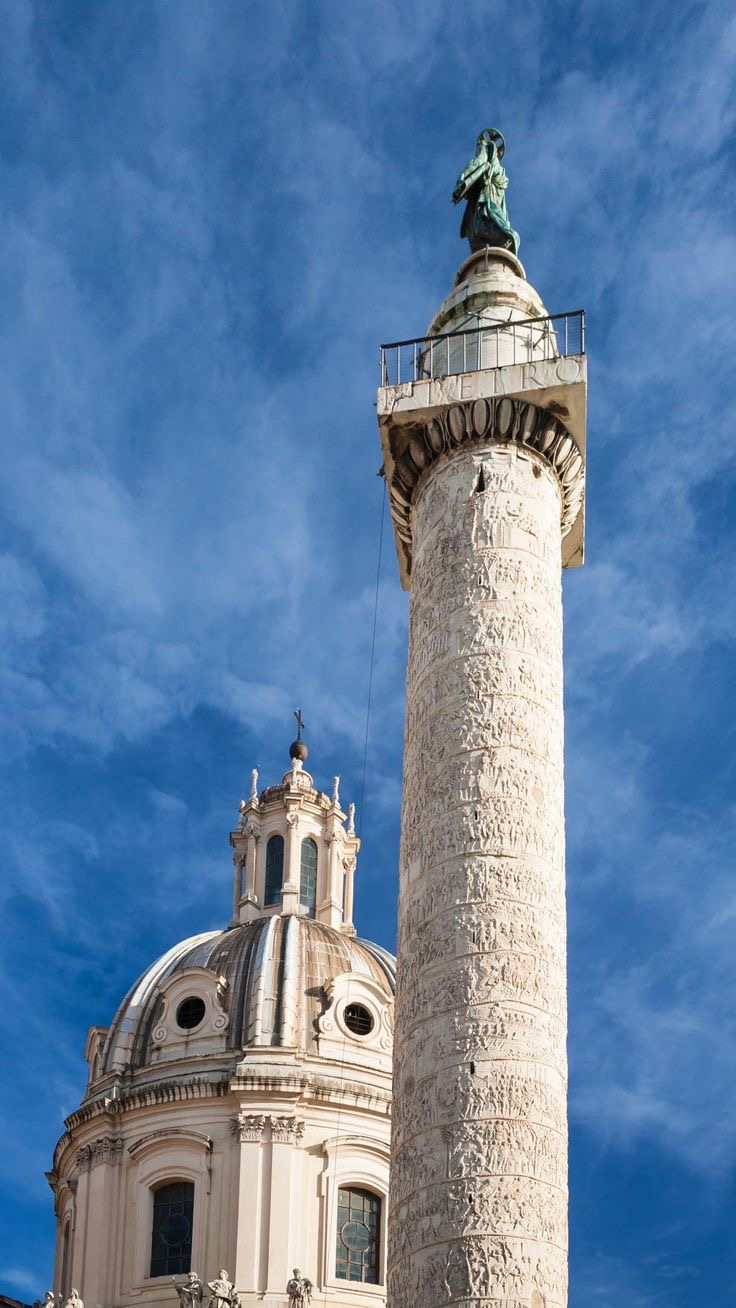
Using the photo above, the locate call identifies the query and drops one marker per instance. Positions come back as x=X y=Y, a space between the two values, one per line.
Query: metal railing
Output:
x=493 y=345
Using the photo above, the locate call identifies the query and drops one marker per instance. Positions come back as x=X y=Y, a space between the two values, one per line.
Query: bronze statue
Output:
x=483 y=184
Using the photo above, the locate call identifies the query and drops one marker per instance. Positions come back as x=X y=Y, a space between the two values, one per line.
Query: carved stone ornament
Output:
x=500 y=419
x=252 y=832
x=299 y=1289
x=248 y=1128
x=286 y=1130
x=191 y=1291
x=106 y=1149
x=478 y=1196
x=222 y=1292
x=251 y=1127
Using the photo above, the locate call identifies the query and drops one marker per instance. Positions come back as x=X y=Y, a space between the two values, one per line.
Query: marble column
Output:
x=479 y=1152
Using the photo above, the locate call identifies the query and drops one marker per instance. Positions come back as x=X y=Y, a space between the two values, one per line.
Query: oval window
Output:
x=358 y=1019
x=190 y=1013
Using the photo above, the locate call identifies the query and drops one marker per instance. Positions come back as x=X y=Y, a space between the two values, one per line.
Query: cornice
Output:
x=300 y=1087
x=121 y=1101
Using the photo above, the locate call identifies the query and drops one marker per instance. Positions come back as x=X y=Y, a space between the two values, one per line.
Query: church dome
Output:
x=267 y=982
x=241 y=1096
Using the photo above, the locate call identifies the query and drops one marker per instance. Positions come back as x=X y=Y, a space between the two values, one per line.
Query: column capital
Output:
x=515 y=422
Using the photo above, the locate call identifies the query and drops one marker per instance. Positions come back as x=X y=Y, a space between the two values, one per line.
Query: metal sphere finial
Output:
x=298 y=748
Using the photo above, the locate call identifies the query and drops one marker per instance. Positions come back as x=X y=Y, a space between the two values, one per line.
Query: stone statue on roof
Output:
x=299 y=1289
x=222 y=1292
x=190 y=1292
x=483 y=184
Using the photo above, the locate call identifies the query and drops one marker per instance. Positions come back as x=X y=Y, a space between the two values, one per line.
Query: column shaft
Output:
x=479 y=1152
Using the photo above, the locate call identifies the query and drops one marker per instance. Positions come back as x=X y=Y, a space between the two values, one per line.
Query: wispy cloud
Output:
x=211 y=218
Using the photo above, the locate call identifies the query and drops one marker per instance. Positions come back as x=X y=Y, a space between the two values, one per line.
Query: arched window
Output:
x=308 y=877
x=171 y=1235
x=358 y=1235
x=65 y=1269
x=274 y=870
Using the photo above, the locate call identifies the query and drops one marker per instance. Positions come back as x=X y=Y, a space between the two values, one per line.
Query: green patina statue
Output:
x=483 y=184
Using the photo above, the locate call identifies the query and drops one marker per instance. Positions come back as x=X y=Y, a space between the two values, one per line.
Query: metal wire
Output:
x=373 y=653
x=341 y=1080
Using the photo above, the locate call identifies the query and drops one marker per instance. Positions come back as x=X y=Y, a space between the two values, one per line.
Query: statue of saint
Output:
x=483 y=184
x=49 y=1299
x=299 y=1290
x=190 y=1292
x=222 y=1292
x=74 y=1301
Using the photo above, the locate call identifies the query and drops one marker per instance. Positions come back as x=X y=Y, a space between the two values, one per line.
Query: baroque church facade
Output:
x=237 y=1111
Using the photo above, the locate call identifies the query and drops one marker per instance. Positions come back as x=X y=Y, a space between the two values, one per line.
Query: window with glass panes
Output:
x=358 y=1235
x=274 y=870
x=171 y=1237
x=308 y=877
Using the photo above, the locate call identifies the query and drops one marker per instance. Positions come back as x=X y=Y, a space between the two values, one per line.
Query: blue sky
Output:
x=212 y=212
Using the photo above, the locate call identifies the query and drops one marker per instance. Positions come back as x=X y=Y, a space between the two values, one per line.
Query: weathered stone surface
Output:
x=479 y=1171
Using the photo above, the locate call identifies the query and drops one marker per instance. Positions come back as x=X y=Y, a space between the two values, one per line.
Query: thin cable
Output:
x=343 y=1056
x=373 y=652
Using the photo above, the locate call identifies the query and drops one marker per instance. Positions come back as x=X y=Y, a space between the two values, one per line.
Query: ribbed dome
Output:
x=259 y=960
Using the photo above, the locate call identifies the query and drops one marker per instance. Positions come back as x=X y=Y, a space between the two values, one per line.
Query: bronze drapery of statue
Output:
x=483 y=184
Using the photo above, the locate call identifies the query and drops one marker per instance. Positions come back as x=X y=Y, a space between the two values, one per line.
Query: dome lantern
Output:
x=295 y=850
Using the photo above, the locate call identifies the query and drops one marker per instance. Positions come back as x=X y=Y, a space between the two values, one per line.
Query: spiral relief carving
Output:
x=478 y=1201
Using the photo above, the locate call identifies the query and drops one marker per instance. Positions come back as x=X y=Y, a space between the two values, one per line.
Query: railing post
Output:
x=582 y=333
x=465 y=353
x=566 y=349
x=431 y=359
x=447 y=356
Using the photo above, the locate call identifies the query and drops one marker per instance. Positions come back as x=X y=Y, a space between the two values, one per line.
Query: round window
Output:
x=356 y=1236
x=190 y=1012
x=358 y=1019
x=175 y=1229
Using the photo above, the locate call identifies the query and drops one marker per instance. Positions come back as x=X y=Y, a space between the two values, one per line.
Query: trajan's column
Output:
x=482 y=425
